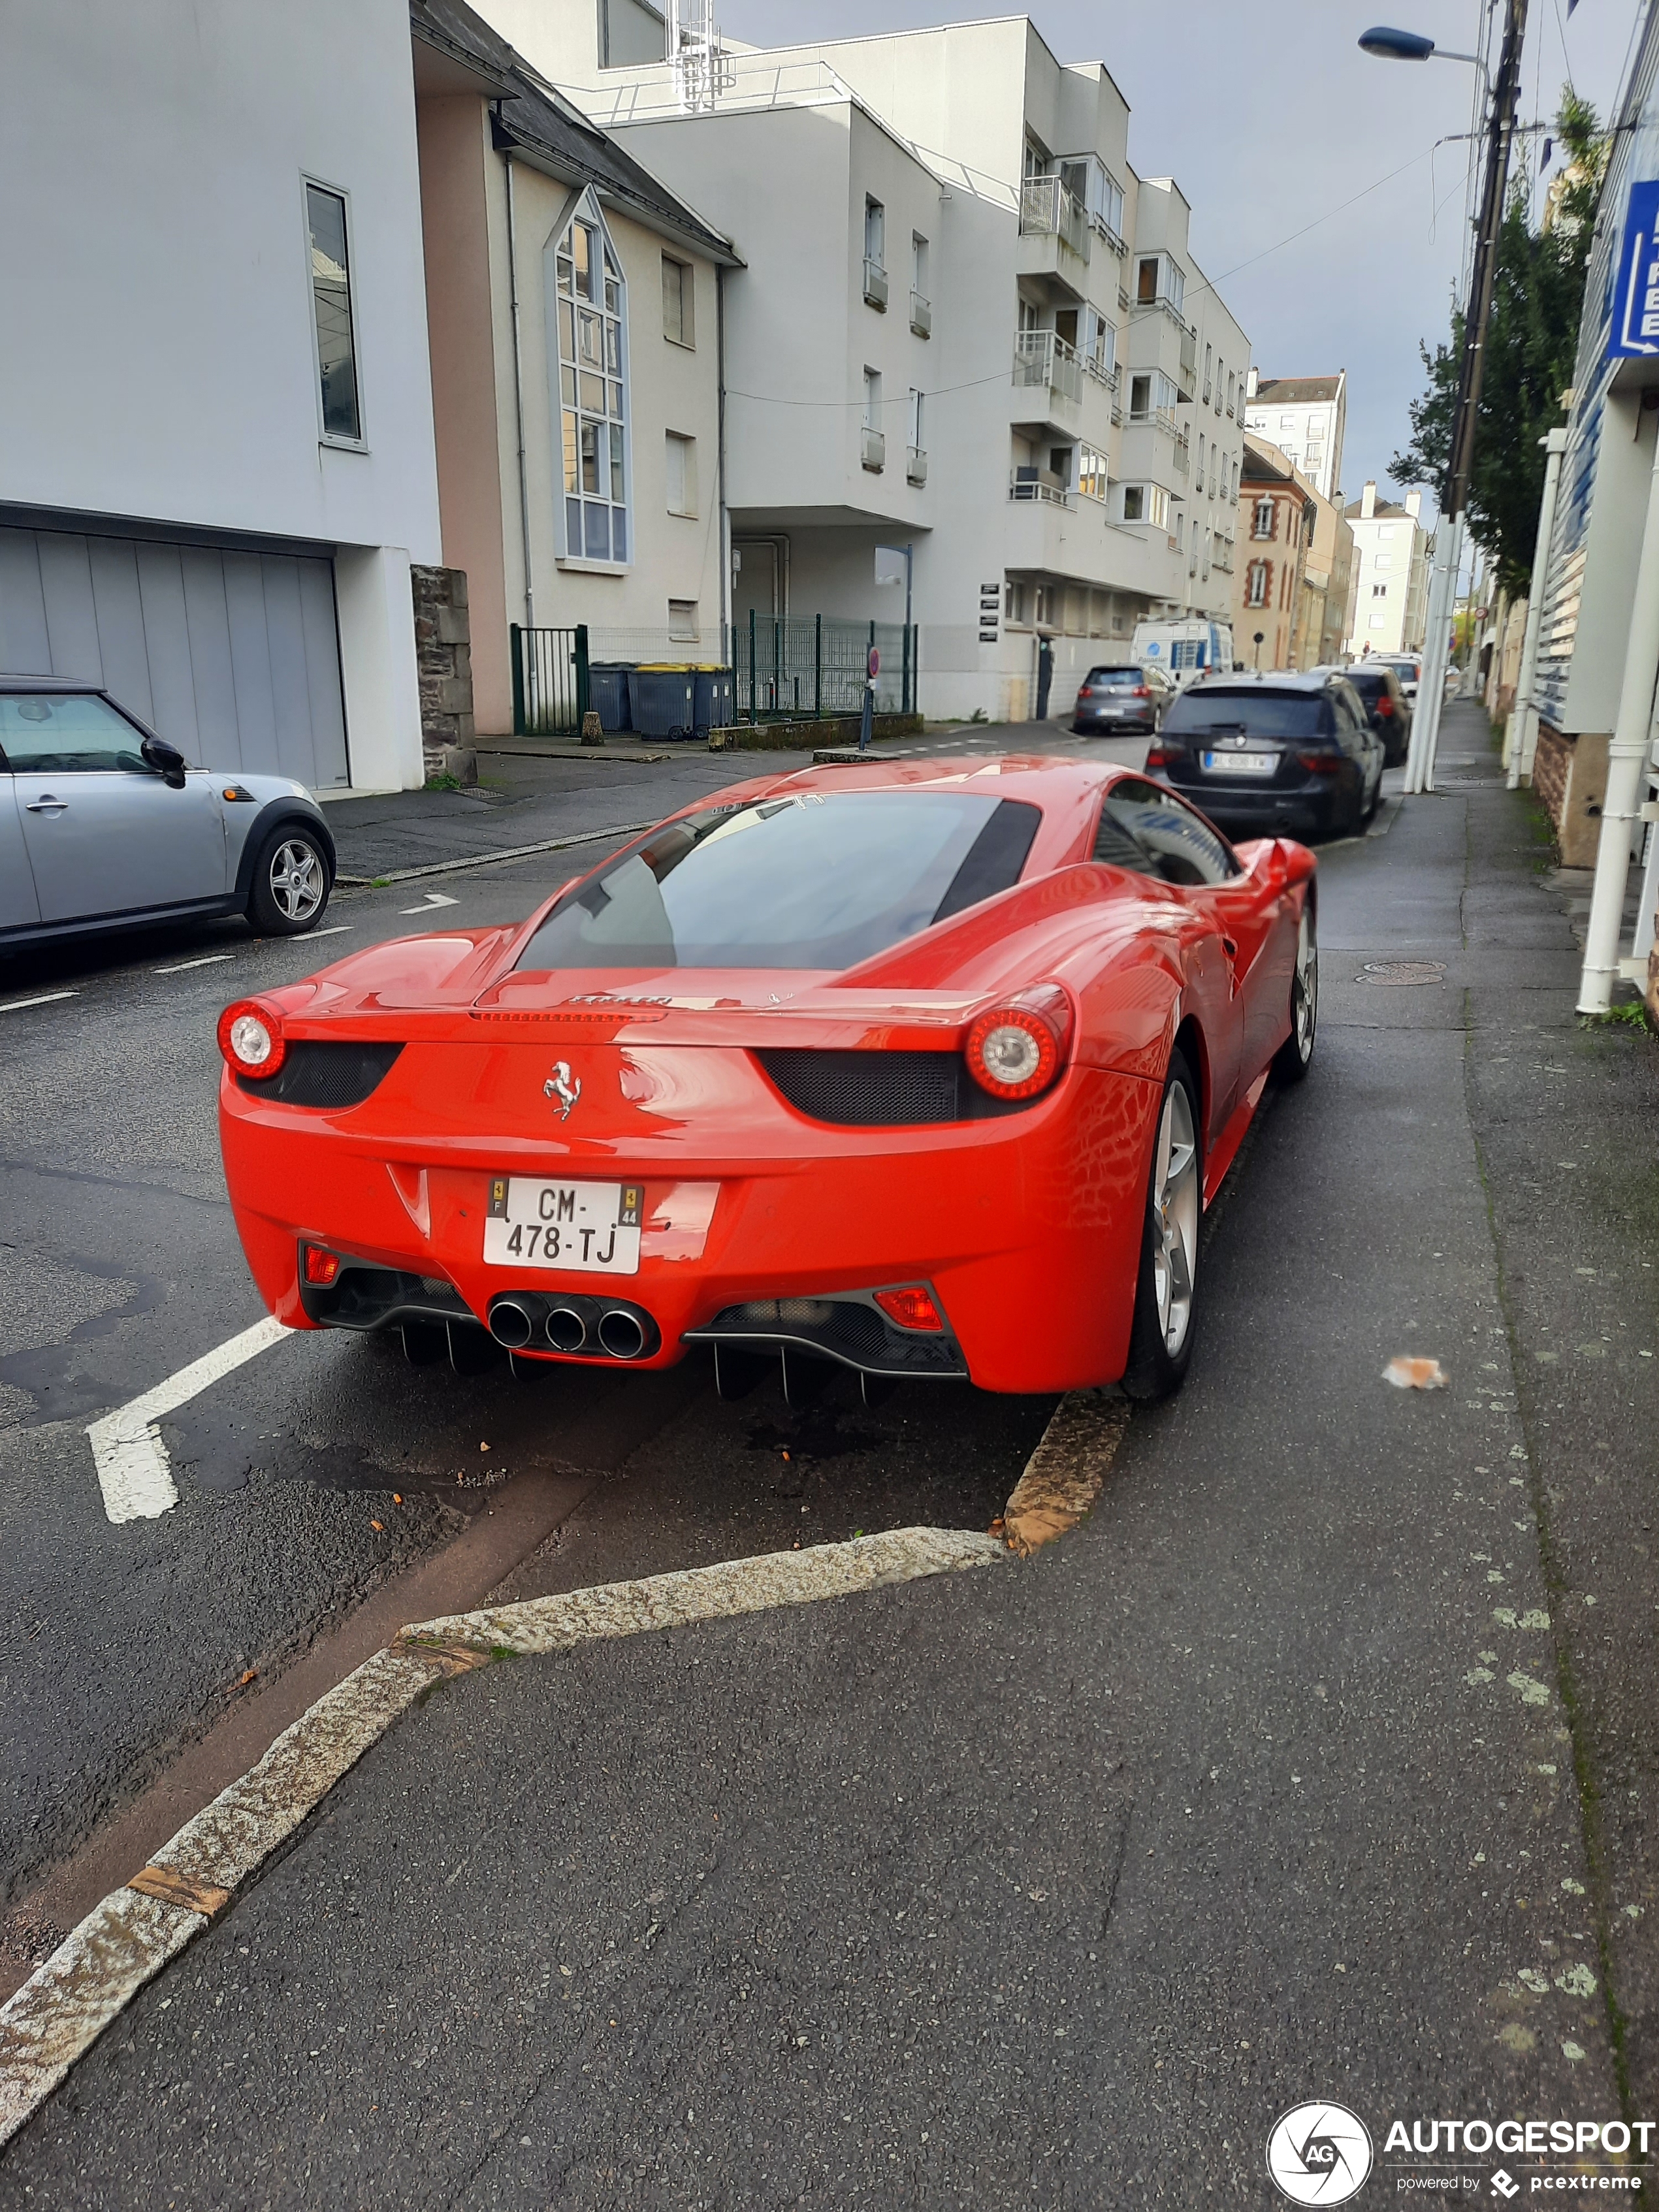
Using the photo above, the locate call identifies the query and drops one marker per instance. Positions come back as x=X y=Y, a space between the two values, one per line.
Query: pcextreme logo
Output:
x=1319 y=2154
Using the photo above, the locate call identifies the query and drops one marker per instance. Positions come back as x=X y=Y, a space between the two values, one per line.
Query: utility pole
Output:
x=1443 y=590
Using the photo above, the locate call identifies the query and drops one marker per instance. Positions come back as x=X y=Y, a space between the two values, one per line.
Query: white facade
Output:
x=163 y=393
x=1306 y=418
x=951 y=215
x=1391 y=555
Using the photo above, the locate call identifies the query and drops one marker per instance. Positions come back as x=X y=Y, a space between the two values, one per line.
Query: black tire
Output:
x=1156 y=1369
x=1295 y=1056
x=292 y=881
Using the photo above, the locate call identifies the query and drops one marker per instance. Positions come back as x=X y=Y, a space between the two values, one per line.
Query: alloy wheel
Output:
x=1175 y=1218
x=1304 y=988
x=297 y=882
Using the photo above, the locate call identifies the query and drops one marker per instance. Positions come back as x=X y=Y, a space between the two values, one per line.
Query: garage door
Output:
x=232 y=656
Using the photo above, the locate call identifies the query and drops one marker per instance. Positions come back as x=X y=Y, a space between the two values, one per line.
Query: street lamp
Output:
x=1410 y=46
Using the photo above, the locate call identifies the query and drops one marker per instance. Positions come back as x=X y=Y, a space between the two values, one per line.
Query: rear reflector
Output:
x=911 y=1308
x=322 y=1268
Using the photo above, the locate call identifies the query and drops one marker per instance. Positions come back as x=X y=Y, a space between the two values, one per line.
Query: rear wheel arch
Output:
x=1188 y=1042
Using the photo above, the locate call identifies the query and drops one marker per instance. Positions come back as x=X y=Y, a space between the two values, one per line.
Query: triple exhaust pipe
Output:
x=528 y=1320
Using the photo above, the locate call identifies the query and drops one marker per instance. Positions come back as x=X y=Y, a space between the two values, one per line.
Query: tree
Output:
x=1532 y=339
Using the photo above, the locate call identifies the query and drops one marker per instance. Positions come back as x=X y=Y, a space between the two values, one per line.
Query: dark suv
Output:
x=1263 y=755
x=1386 y=708
x=1123 y=696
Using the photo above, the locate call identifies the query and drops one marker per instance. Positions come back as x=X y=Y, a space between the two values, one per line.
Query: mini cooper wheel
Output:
x=1161 y=1338
x=291 y=883
x=1291 y=1061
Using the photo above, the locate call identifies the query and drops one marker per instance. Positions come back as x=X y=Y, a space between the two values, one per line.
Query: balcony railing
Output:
x=1103 y=372
x=875 y=283
x=1103 y=230
x=1044 y=359
x=875 y=450
x=1222 y=558
x=922 y=315
x=1153 y=418
x=1037 y=484
x=1046 y=207
x=915 y=465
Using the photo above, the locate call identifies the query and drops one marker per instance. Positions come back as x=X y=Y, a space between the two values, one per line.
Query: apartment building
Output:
x=575 y=369
x=1306 y=418
x=1391 y=555
x=1277 y=510
x=963 y=326
x=216 y=453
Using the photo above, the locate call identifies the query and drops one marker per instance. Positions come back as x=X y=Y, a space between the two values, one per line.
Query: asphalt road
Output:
x=1319 y=1762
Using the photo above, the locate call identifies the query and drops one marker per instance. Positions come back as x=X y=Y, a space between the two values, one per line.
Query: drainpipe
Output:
x=1521 y=738
x=1626 y=758
x=518 y=398
x=720 y=456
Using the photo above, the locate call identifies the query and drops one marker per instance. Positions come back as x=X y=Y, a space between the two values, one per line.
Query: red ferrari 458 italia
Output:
x=925 y=1066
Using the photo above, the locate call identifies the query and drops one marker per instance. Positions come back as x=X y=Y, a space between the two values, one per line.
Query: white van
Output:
x=1185 y=649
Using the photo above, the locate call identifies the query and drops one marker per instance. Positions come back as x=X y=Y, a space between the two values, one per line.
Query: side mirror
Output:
x=167 y=760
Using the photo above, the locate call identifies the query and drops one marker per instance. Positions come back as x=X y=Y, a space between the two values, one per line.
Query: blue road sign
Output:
x=1635 y=292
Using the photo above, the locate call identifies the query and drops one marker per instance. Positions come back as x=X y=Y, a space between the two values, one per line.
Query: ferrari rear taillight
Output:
x=1016 y=1051
x=321 y=1267
x=911 y=1308
x=250 y=1038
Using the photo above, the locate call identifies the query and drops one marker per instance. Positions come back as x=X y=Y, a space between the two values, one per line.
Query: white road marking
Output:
x=333 y=930
x=46 y=999
x=134 y=1471
x=432 y=899
x=125 y=1940
x=207 y=960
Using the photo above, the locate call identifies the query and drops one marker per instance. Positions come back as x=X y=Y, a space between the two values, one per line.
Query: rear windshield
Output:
x=1368 y=682
x=1257 y=711
x=1114 y=676
x=815 y=879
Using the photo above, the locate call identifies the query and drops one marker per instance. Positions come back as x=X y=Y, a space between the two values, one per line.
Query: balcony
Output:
x=1028 y=485
x=1103 y=372
x=1044 y=360
x=922 y=315
x=875 y=285
x=1153 y=418
x=874 y=453
x=1108 y=237
x=1054 y=234
x=915 y=465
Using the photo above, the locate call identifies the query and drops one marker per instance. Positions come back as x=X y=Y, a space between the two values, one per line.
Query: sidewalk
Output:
x=1320 y=1761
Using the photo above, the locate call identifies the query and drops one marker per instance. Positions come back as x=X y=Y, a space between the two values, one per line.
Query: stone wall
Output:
x=1570 y=774
x=443 y=659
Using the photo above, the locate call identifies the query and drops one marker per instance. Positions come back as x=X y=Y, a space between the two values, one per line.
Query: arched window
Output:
x=593 y=347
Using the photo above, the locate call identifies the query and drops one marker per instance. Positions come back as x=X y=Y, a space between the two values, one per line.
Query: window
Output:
x=1209 y=357
x=681 y=454
x=1379 y=622
x=1258 y=577
x=683 y=626
x=1258 y=712
x=1099 y=344
x=1140 y=397
x=875 y=233
x=1016 y=604
x=1090 y=473
x=818 y=879
x=593 y=392
x=1134 y=502
x=1230 y=391
x=1262 y=525
x=1146 y=503
x=1201 y=460
x=1379 y=591
x=331 y=302
x=1146 y=282
x=68 y=734
x=1147 y=828
x=1045 y=607
x=872 y=399
x=678 y=294
x=920 y=259
x=918 y=420
x=1384 y=530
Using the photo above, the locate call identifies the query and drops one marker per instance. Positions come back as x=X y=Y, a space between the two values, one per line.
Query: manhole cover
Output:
x=1403 y=971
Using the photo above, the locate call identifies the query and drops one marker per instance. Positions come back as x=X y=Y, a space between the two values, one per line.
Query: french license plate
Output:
x=583 y=1228
x=1239 y=764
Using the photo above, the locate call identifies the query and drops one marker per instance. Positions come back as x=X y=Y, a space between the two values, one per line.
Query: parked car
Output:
x=1121 y=697
x=104 y=825
x=1268 y=755
x=1406 y=666
x=887 y=1017
x=1386 y=708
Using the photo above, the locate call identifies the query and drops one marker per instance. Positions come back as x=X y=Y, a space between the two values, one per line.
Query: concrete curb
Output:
x=126 y=1940
x=489 y=859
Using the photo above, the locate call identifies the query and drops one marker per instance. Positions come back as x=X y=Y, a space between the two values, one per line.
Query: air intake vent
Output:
x=881 y=1089
x=317 y=1074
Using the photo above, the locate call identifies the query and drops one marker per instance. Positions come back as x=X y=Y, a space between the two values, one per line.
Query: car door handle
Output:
x=48 y=805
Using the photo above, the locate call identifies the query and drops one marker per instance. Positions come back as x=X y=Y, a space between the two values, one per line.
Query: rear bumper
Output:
x=1292 y=811
x=1027 y=1228
x=1091 y=722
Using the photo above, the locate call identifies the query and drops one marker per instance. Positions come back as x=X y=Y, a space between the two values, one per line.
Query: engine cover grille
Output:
x=316 y=1073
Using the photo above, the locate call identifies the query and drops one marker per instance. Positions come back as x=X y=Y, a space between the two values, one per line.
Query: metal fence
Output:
x=803 y=668
x=549 y=680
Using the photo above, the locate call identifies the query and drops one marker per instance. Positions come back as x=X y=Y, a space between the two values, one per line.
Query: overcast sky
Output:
x=1270 y=117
